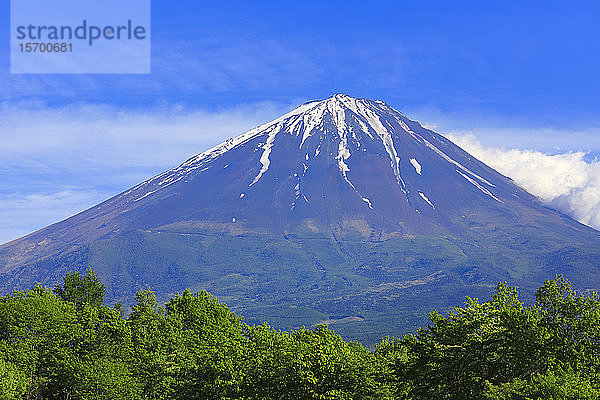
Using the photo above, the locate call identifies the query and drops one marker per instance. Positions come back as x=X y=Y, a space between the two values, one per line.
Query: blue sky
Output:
x=530 y=60
x=516 y=74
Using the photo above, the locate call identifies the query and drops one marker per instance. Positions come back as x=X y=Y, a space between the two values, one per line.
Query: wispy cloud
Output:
x=21 y=213
x=108 y=136
x=58 y=161
x=523 y=131
x=566 y=181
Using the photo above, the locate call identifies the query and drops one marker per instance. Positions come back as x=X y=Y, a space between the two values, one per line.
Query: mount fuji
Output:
x=343 y=211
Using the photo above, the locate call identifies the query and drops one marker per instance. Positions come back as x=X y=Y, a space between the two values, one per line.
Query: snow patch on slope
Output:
x=264 y=158
x=484 y=190
x=426 y=199
x=416 y=164
x=386 y=138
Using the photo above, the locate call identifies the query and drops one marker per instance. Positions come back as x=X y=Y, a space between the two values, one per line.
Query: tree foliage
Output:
x=504 y=349
x=65 y=344
x=81 y=289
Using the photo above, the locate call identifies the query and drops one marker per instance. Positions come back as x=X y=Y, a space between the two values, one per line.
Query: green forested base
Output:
x=369 y=289
x=64 y=344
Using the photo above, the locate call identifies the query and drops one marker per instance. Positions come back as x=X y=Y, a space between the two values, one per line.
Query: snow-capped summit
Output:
x=323 y=164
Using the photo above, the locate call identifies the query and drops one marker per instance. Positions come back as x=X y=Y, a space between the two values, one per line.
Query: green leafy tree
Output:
x=571 y=326
x=559 y=385
x=393 y=359
x=65 y=350
x=81 y=289
x=155 y=345
x=502 y=346
x=494 y=340
x=36 y=328
x=310 y=364
x=14 y=383
x=209 y=346
x=67 y=345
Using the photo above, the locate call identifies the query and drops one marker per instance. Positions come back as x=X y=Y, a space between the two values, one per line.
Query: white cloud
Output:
x=21 y=214
x=105 y=136
x=57 y=161
x=566 y=182
x=514 y=131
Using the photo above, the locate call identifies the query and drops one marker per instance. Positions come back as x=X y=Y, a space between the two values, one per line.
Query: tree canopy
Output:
x=65 y=344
